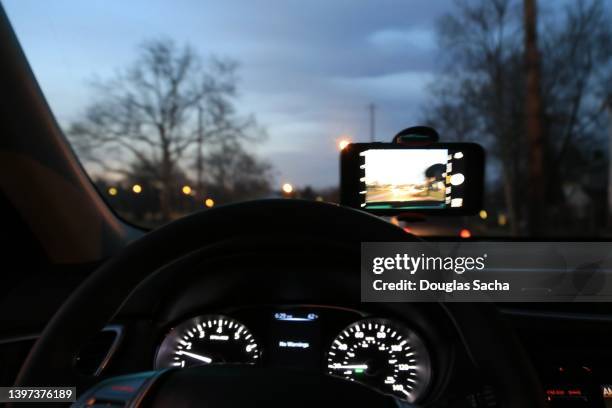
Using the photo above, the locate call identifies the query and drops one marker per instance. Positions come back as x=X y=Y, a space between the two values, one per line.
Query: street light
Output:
x=287 y=188
x=209 y=203
x=343 y=143
x=465 y=233
x=112 y=191
x=137 y=188
x=186 y=190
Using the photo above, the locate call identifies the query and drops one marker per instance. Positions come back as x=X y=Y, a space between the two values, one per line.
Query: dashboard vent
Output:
x=95 y=354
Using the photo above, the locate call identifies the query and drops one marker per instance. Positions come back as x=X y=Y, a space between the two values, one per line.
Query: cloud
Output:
x=308 y=68
x=398 y=40
x=400 y=86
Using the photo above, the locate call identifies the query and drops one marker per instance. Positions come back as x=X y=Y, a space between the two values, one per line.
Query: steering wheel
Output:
x=93 y=304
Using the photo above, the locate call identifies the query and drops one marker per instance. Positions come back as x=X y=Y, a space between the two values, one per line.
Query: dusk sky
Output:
x=308 y=68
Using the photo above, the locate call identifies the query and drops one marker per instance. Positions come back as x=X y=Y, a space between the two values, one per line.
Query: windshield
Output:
x=180 y=106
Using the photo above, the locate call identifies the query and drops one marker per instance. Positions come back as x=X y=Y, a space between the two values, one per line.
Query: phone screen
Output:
x=412 y=179
x=383 y=178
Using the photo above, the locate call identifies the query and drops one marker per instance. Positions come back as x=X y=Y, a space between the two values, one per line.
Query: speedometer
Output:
x=207 y=339
x=384 y=355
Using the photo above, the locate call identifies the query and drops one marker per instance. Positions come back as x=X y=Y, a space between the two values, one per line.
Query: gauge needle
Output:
x=196 y=356
x=349 y=367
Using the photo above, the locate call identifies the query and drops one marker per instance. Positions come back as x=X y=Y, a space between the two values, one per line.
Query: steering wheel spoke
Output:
x=232 y=386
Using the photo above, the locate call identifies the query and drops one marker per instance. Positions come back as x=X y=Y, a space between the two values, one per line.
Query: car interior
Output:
x=253 y=303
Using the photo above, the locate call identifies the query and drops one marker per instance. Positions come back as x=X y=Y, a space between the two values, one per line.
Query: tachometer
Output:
x=207 y=339
x=384 y=355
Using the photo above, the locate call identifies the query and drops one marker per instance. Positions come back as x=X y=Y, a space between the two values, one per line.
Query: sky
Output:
x=401 y=167
x=308 y=69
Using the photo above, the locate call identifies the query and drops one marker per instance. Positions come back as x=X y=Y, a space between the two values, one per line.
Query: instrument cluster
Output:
x=378 y=352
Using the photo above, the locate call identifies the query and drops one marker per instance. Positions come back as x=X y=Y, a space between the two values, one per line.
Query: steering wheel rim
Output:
x=102 y=294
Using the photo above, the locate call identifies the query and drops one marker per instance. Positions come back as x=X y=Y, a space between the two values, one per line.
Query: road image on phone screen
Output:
x=405 y=178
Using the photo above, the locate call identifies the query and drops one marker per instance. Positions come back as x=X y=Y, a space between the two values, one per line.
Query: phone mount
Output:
x=416 y=136
x=430 y=167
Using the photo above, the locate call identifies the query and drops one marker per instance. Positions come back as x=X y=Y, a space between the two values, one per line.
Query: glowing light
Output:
x=343 y=143
x=483 y=214
x=456 y=202
x=502 y=219
x=186 y=190
x=112 y=191
x=319 y=198
x=209 y=203
x=137 y=188
x=287 y=188
x=465 y=233
x=457 y=179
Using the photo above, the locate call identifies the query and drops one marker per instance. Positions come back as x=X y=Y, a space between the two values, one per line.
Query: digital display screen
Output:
x=412 y=178
x=567 y=396
x=295 y=338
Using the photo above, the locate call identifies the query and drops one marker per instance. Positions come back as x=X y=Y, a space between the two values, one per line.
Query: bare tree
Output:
x=577 y=74
x=481 y=85
x=481 y=93
x=236 y=173
x=162 y=115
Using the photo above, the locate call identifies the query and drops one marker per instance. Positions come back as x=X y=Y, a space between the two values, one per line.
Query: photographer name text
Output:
x=422 y=264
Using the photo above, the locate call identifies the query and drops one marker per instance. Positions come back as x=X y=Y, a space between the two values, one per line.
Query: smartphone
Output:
x=389 y=178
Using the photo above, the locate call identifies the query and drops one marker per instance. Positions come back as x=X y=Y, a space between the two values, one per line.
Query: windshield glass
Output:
x=179 y=106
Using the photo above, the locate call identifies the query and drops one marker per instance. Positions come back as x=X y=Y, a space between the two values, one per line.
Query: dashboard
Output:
x=309 y=317
x=379 y=352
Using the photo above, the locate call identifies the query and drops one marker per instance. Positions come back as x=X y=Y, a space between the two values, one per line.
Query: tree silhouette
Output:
x=166 y=118
x=481 y=92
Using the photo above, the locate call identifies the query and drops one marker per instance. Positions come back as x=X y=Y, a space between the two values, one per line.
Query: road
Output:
x=407 y=192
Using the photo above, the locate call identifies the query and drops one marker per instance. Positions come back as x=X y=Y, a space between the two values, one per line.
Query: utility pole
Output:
x=608 y=107
x=200 y=155
x=533 y=110
x=372 y=109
